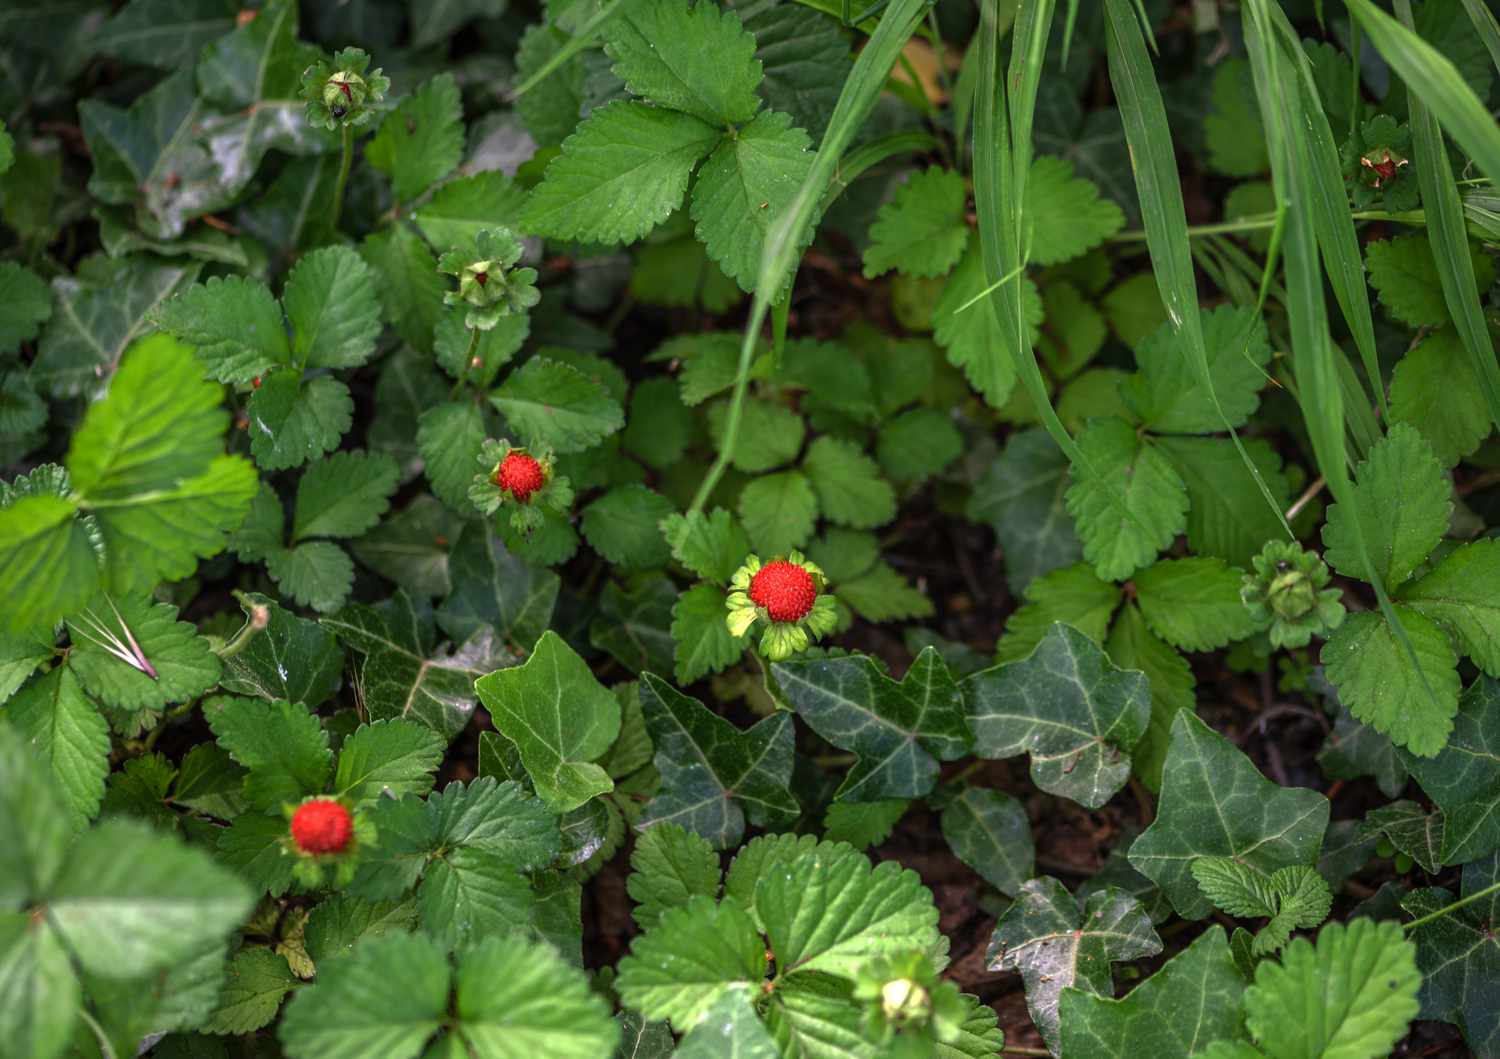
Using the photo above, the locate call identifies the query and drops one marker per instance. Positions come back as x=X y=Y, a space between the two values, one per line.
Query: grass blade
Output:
x=1487 y=28
x=1450 y=241
x=584 y=38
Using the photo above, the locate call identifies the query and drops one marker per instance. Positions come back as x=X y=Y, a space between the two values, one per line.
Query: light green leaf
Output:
x=1167 y=393
x=449 y=438
x=848 y=483
x=729 y=1029
x=668 y=867
x=317 y=574
x=422 y=140
x=1227 y=515
x=410 y=287
x=1057 y=945
x=964 y=324
x=1232 y=130
x=1435 y=389
x=1071 y=596
x=39 y=994
x=1460 y=594
x=711 y=546
x=619 y=175
x=864 y=824
x=388 y=759
x=462 y=208
x=770 y=434
x=1193 y=604
x=689 y=958
x=234 y=325
x=714 y=776
x=779 y=512
x=552 y=403
x=256 y=982
x=182 y=665
x=1214 y=803
x=294 y=419
x=745 y=185
x=689 y=57
x=281 y=743
x=1066 y=213
x=921 y=231
x=559 y=717
x=344 y=495
x=519 y=999
x=1378 y=682
x=1405 y=274
x=1129 y=504
x=1065 y=705
x=622 y=525
x=898 y=731
x=63 y=731
x=330 y=302
x=1350 y=997
x=702 y=637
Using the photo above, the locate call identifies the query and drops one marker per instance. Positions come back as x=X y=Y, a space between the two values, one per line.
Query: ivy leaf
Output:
x=1379 y=684
x=619 y=175
x=1353 y=750
x=1167 y=393
x=704 y=644
x=282 y=656
x=493 y=589
x=828 y=909
x=1202 y=978
x=1130 y=502
x=779 y=511
x=744 y=186
x=694 y=953
x=403 y=675
x=1066 y=213
x=1069 y=708
x=422 y=140
x=1215 y=804
x=1402 y=502
x=691 y=58
x=294 y=419
x=1411 y=829
x=411 y=547
x=1459 y=955
x=1350 y=997
x=714 y=776
x=234 y=325
x=99 y=313
x=163 y=35
x=921 y=231
x=1193 y=604
x=63 y=730
x=551 y=403
x=989 y=832
x=622 y=525
x=898 y=731
x=848 y=483
x=344 y=495
x=557 y=745
x=1057 y=945
x=133 y=654
x=1458 y=594
x=330 y=302
x=635 y=623
x=282 y=745
x=1021 y=497
x=668 y=867
x=1463 y=780
x=317 y=574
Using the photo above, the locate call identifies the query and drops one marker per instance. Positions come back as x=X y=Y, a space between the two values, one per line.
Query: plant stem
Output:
x=1260 y=221
x=1018 y=1050
x=338 y=189
x=1454 y=907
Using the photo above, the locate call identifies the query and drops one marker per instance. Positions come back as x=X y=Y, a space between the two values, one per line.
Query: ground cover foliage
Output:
x=769 y=529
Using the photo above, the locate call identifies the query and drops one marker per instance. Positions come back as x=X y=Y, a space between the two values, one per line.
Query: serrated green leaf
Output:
x=422 y=140
x=330 y=303
x=848 y=483
x=256 y=981
x=1055 y=944
x=919 y=444
x=388 y=759
x=898 y=731
x=527 y=705
x=1402 y=502
x=1214 y=803
x=1232 y=130
x=1131 y=645
x=340 y=921
x=462 y=208
x=1405 y=274
x=39 y=992
x=449 y=438
x=1202 y=978
x=282 y=656
x=1227 y=515
x=27 y=305
x=1193 y=604
x=48 y=562
x=711 y=545
x=281 y=743
x=863 y=824
x=1066 y=213
x=713 y=775
x=704 y=644
x=1361 y=982
x=1435 y=389
x=988 y=831
x=921 y=231
x=316 y=574
x=410 y=287
x=964 y=324
x=619 y=175
x=745 y=185
x=778 y=511
x=294 y=419
x=518 y=999
x=1131 y=505
x=343 y=495
x=1167 y=393
x=63 y=730
x=622 y=525
x=20 y=655
x=182 y=665
x=1378 y=682
x=252 y=847
x=552 y=403
x=693 y=954
x=1065 y=705
x=770 y=434
x=234 y=325
x=730 y=1027
x=668 y=867
x=882 y=594
x=828 y=909
x=1459 y=594
x=1072 y=596
x=692 y=58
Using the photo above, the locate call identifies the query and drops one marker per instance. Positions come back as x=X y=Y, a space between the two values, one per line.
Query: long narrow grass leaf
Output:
x=584 y=38
x=1486 y=25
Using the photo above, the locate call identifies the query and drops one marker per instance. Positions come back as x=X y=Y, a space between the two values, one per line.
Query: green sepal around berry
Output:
x=314 y=869
x=344 y=93
x=1377 y=165
x=796 y=631
x=488 y=283
x=1288 y=594
x=903 y=998
x=528 y=508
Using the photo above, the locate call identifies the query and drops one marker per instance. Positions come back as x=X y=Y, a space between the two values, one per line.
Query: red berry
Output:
x=520 y=475
x=784 y=589
x=321 y=826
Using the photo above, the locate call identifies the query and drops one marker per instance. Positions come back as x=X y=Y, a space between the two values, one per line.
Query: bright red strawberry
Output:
x=520 y=475
x=785 y=589
x=322 y=826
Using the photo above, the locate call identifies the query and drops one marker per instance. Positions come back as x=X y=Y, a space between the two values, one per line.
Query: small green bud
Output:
x=343 y=93
x=487 y=282
x=1287 y=592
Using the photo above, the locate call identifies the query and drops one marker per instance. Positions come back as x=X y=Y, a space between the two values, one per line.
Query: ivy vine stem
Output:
x=1454 y=907
x=344 y=162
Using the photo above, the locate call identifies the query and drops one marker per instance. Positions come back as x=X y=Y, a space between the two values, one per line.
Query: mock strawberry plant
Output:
x=910 y=531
